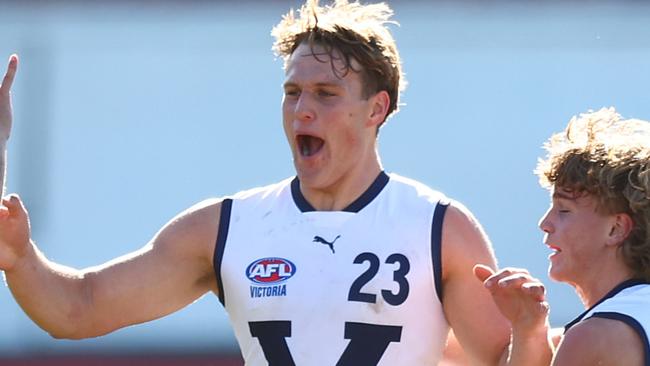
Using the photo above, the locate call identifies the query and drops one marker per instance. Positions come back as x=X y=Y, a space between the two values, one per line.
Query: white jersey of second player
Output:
x=628 y=302
x=357 y=287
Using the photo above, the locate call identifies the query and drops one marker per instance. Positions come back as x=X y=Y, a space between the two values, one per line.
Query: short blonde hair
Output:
x=606 y=156
x=355 y=31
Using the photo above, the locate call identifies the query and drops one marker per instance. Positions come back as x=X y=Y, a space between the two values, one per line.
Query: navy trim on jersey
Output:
x=613 y=292
x=632 y=323
x=222 y=235
x=298 y=198
x=436 y=244
x=366 y=197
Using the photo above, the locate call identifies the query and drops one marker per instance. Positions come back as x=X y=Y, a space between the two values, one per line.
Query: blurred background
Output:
x=128 y=112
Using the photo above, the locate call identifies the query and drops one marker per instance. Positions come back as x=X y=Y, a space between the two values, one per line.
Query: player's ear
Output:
x=380 y=103
x=621 y=227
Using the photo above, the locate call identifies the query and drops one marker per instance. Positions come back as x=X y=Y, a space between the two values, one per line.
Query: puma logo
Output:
x=318 y=239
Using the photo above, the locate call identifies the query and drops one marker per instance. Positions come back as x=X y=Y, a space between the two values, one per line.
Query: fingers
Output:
x=508 y=275
x=536 y=290
x=9 y=200
x=5 y=205
x=482 y=272
x=8 y=79
x=512 y=281
x=13 y=204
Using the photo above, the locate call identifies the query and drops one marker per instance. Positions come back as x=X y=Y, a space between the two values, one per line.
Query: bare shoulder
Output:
x=192 y=232
x=463 y=238
x=200 y=215
x=460 y=222
x=600 y=341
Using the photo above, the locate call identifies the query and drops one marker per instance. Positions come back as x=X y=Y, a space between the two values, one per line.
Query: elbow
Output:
x=75 y=334
x=70 y=331
x=64 y=335
x=77 y=321
x=73 y=328
x=71 y=334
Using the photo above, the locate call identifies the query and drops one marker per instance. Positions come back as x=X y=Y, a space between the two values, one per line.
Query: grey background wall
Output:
x=129 y=112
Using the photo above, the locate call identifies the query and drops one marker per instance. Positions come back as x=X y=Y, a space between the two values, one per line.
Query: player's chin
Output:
x=556 y=274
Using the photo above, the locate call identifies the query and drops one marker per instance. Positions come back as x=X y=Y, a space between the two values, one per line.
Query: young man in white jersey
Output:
x=598 y=172
x=343 y=264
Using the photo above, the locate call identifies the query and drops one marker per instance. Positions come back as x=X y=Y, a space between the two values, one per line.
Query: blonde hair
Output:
x=356 y=32
x=608 y=157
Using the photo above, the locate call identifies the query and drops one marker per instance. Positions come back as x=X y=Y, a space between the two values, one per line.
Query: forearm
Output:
x=55 y=297
x=529 y=348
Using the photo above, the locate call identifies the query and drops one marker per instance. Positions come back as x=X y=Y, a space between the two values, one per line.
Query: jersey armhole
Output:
x=436 y=244
x=220 y=246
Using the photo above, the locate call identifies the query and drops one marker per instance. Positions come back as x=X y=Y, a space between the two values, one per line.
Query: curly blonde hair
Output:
x=356 y=32
x=608 y=157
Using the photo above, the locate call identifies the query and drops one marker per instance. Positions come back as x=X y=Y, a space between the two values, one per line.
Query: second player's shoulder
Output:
x=596 y=341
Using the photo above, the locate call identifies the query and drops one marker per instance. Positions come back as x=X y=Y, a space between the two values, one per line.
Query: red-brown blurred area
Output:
x=86 y=360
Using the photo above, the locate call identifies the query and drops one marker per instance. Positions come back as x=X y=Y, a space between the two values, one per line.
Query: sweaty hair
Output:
x=608 y=157
x=353 y=31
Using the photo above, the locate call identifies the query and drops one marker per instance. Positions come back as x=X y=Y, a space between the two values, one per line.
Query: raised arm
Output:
x=478 y=325
x=6 y=119
x=170 y=272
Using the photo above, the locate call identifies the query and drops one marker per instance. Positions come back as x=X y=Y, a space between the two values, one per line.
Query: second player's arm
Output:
x=171 y=271
x=521 y=298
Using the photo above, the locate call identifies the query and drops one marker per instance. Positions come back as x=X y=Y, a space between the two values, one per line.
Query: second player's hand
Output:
x=520 y=297
x=5 y=98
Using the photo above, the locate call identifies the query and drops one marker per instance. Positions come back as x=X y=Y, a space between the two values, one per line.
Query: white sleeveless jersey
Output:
x=628 y=302
x=350 y=288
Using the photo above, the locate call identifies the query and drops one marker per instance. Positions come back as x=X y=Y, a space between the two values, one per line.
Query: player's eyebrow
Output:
x=320 y=84
x=562 y=195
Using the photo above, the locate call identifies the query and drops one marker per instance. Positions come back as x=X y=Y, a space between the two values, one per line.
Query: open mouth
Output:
x=309 y=145
x=554 y=248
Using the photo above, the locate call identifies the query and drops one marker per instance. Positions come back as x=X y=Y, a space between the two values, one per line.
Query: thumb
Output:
x=482 y=272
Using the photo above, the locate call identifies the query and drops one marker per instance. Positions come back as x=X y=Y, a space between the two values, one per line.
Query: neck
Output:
x=340 y=194
x=593 y=290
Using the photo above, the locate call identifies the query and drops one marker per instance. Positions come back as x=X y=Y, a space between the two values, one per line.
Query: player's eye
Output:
x=291 y=93
x=325 y=94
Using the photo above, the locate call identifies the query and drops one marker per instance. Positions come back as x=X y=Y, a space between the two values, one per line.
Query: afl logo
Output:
x=270 y=271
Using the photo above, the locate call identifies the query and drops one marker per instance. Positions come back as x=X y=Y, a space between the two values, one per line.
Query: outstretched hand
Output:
x=520 y=297
x=14 y=232
x=5 y=98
